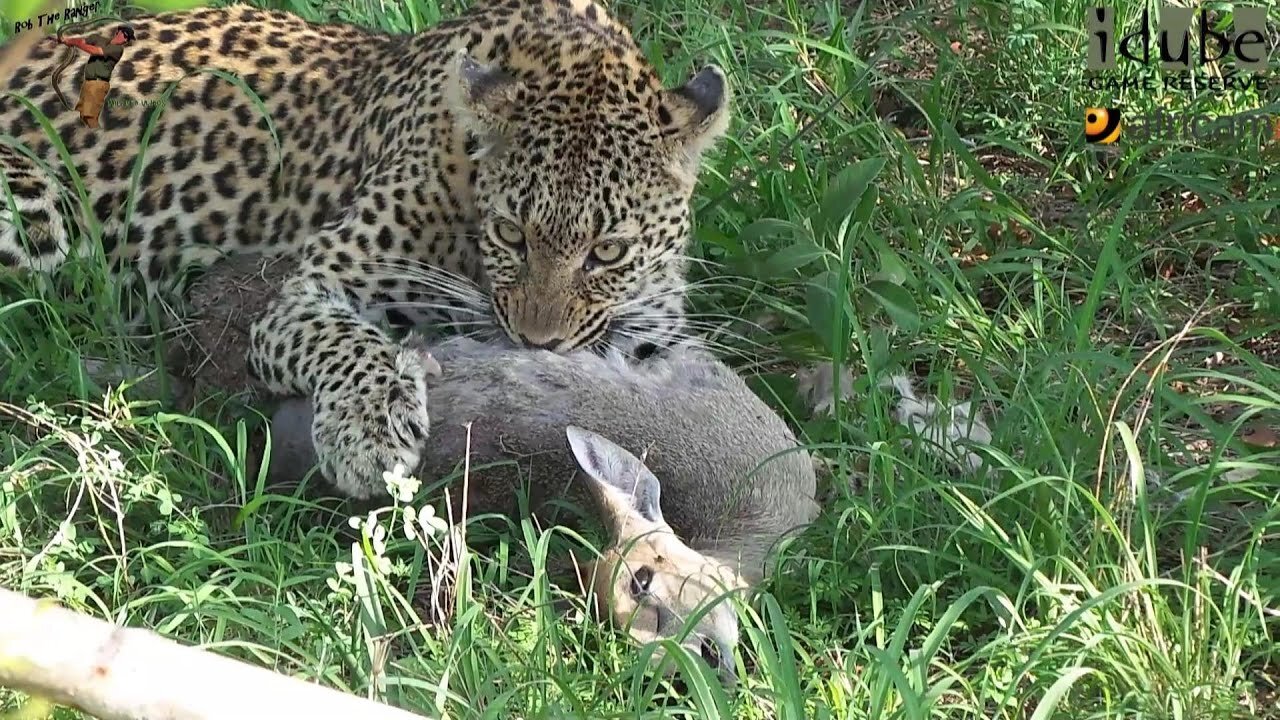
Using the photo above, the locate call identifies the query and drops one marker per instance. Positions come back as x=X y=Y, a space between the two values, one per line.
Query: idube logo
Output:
x=1244 y=48
x=1102 y=125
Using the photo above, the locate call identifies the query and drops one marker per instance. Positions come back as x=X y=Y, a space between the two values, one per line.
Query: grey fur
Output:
x=733 y=479
x=676 y=441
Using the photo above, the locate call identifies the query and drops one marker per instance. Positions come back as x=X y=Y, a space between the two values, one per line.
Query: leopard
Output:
x=520 y=166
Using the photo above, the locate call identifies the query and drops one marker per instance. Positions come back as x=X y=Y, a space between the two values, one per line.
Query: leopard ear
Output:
x=483 y=99
x=697 y=115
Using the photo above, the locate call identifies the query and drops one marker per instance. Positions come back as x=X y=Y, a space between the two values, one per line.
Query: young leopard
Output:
x=526 y=148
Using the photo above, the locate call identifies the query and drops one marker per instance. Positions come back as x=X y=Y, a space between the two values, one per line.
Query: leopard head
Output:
x=584 y=169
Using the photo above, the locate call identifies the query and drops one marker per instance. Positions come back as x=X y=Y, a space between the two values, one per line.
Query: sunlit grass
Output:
x=1116 y=558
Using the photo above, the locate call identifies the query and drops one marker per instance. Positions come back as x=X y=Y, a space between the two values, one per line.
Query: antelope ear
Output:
x=697 y=114
x=482 y=99
x=625 y=487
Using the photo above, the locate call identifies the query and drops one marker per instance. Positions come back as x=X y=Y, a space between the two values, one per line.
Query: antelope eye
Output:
x=509 y=235
x=605 y=253
x=641 y=580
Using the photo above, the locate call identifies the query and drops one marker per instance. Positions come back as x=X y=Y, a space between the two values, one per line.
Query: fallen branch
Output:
x=120 y=673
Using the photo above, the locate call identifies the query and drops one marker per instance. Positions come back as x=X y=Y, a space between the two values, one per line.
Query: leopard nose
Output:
x=549 y=343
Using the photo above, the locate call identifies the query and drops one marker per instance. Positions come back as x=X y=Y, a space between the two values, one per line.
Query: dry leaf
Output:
x=1261 y=436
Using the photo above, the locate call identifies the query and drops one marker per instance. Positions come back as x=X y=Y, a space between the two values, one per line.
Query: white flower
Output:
x=346 y=575
x=65 y=536
x=114 y=461
x=430 y=522
x=400 y=485
x=410 y=523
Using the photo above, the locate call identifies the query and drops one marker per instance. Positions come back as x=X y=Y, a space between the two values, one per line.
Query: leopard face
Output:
x=584 y=170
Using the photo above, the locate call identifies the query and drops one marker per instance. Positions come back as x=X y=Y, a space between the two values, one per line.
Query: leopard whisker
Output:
x=710 y=283
x=429 y=275
x=708 y=337
x=473 y=323
x=653 y=335
x=704 y=318
x=719 y=335
x=720 y=277
x=442 y=281
x=697 y=323
x=745 y=364
x=438 y=277
x=658 y=338
x=651 y=297
x=700 y=261
x=481 y=335
x=717 y=268
x=419 y=305
x=443 y=291
x=415 y=264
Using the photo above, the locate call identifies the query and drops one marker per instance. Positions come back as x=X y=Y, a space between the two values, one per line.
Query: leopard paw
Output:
x=368 y=423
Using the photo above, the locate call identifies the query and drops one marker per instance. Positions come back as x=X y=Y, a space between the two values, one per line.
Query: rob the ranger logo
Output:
x=1247 y=46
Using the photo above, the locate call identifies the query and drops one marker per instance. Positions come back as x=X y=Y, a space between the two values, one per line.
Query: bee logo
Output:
x=1102 y=125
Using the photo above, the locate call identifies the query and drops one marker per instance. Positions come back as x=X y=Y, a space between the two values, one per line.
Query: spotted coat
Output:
x=520 y=166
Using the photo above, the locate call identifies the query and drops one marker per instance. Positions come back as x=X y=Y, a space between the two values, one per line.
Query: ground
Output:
x=1114 y=306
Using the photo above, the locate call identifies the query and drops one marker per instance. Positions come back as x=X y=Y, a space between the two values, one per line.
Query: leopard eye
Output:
x=605 y=253
x=509 y=235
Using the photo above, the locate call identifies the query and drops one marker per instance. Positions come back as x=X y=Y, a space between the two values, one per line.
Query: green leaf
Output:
x=791 y=258
x=897 y=302
x=825 y=309
x=1247 y=236
x=846 y=192
x=892 y=268
x=878 y=342
x=867 y=205
x=707 y=234
x=23 y=10
x=762 y=231
x=1049 y=703
x=76 y=372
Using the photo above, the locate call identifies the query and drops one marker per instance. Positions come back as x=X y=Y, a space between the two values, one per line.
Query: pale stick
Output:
x=121 y=673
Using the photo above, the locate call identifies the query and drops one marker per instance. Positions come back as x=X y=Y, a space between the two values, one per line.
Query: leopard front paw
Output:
x=368 y=423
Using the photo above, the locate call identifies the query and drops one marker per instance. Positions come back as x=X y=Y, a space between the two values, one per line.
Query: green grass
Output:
x=1119 y=306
